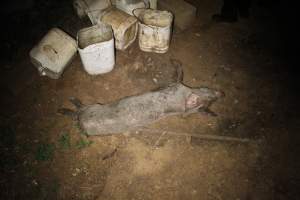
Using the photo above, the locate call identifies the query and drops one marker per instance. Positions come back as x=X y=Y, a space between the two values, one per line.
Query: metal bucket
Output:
x=124 y=26
x=96 y=49
x=129 y=5
x=53 y=53
x=155 y=29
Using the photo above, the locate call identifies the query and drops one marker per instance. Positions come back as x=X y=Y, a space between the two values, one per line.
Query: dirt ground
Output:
x=45 y=155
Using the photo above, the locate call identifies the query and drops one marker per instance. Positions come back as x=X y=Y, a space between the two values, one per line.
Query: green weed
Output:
x=82 y=143
x=81 y=131
x=45 y=152
x=64 y=141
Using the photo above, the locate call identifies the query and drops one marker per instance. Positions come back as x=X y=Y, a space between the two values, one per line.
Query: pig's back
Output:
x=134 y=111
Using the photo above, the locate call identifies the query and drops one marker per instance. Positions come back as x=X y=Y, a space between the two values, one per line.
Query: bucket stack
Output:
x=115 y=25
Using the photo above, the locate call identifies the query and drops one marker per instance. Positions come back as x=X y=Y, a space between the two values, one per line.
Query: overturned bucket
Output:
x=96 y=49
x=53 y=53
x=124 y=26
x=155 y=29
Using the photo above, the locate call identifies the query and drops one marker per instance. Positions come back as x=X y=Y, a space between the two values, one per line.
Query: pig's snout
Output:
x=202 y=97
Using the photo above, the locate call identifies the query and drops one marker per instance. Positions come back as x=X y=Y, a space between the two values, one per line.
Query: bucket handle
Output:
x=147 y=6
x=137 y=17
x=101 y=13
x=134 y=13
x=91 y=15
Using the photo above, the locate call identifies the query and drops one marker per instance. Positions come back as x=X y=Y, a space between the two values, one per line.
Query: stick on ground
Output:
x=200 y=136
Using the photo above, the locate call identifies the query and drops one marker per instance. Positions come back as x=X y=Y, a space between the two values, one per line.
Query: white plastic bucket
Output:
x=96 y=49
x=86 y=7
x=53 y=53
x=129 y=5
x=155 y=29
x=152 y=4
x=124 y=26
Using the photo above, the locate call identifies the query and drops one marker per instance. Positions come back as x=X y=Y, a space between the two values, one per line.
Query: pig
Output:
x=134 y=112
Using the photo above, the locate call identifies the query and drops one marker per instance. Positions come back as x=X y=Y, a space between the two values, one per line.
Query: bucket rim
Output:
x=94 y=27
x=91 y=46
x=141 y=21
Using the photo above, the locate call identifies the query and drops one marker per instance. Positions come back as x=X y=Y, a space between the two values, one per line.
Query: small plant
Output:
x=45 y=152
x=81 y=131
x=82 y=143
x=77 y=125
x=65 y=141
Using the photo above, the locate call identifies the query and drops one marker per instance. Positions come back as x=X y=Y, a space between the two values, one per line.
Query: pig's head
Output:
x=202 y=98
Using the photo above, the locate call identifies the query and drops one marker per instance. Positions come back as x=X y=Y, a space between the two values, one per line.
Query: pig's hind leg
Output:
x=69 y=112
x=76 y=102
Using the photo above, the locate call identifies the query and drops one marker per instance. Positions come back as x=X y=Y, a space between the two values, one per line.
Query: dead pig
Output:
x=135 y=112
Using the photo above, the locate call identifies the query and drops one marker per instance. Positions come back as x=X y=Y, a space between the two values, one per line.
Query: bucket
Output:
x=53 y=53
x=129 y=5
x=152 y=4
x=124 y=26
x=155 y=29
x=96 y=49
x=83 y=7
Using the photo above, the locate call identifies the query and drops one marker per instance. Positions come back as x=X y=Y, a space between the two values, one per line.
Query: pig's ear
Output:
x=192 y=102
x=179 y=71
